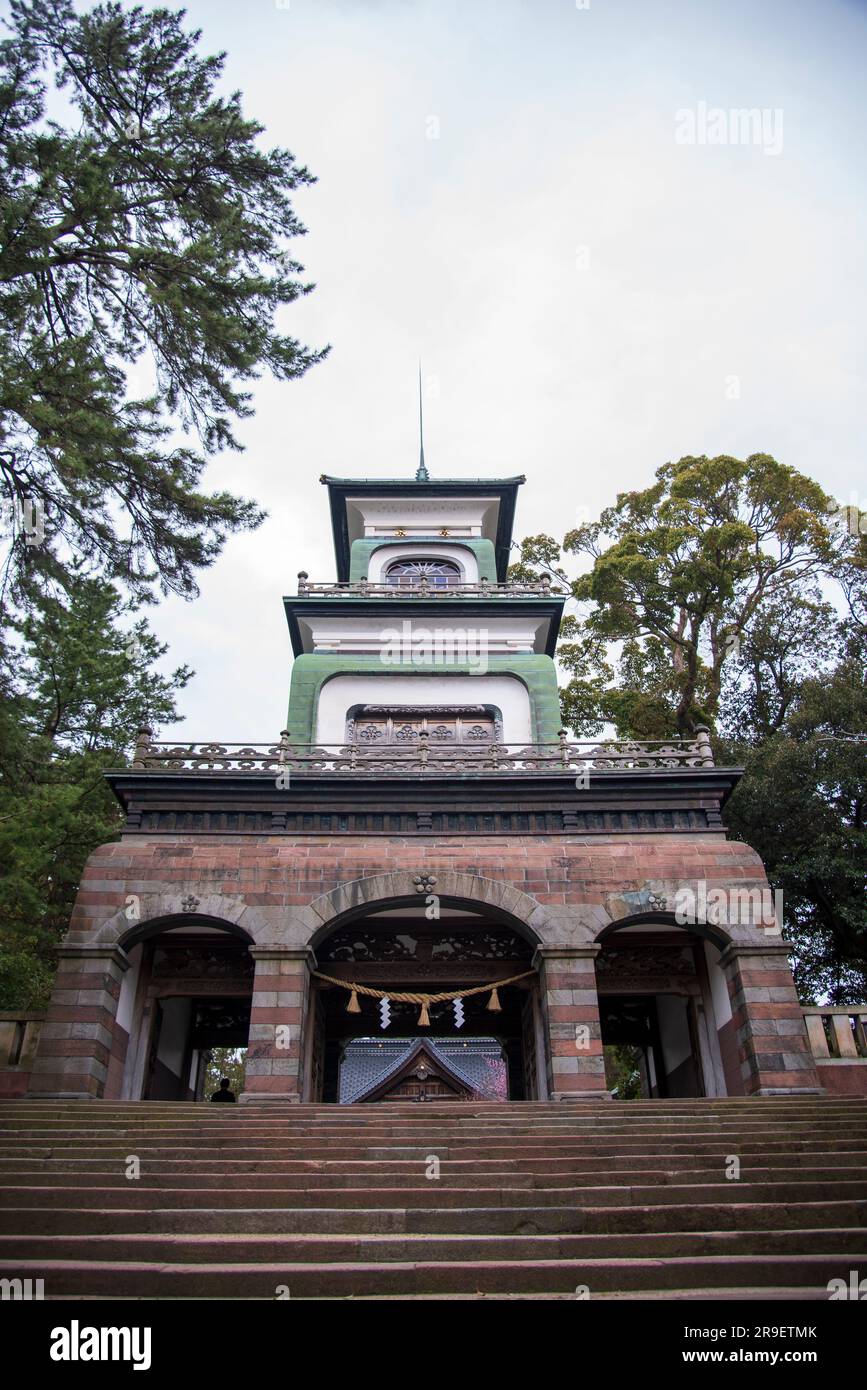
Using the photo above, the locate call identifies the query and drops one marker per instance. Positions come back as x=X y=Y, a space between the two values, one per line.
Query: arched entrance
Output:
x=188 y=991
x=663 y=1009
x=405 y=947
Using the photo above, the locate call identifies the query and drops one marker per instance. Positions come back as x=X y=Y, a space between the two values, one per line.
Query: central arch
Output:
x=427 y=933
x=509 y=905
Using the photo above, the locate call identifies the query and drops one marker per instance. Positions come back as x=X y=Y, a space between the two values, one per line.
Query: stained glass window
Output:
x=440 y=574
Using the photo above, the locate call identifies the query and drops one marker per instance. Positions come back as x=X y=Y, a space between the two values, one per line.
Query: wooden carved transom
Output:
x=201 y=962
x=637 y=964
x=494 y=943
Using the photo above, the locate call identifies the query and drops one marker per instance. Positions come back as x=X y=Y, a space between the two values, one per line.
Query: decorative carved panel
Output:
x=201 y=963
x=494 y=944
x=651 y=967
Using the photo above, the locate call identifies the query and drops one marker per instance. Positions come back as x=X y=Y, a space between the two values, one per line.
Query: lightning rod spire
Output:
x=422 y=475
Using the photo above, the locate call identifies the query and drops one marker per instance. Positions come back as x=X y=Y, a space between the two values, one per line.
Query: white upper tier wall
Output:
x=340 y=694
x=428 y=516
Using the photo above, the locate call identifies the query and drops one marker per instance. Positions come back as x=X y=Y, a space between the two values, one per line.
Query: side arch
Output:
x=154 y=926
x=153 y=913
x=708 y=931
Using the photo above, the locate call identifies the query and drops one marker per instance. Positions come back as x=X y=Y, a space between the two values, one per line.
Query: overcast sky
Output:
x=504 y=190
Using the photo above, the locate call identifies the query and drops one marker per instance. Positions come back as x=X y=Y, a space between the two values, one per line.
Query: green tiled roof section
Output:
x=313 y=669
x=361 y=551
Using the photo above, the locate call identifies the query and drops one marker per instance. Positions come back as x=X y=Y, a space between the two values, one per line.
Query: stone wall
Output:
x=285 y=892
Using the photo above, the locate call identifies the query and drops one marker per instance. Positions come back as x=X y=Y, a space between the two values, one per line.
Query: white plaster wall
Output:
x=128 y=984
x=399 y=638
x=382 y=516
x=719 y=990
x=342 y=692
x=389 y=554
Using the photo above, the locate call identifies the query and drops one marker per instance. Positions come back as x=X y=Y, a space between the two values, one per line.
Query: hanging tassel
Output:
x=424 y=1016
x=494 y=1001
x=353 y=1007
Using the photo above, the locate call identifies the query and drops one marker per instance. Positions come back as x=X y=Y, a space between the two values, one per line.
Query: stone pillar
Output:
x=75 y=1044
x=774 y=1050
x=281 y=994
x=575 y=1064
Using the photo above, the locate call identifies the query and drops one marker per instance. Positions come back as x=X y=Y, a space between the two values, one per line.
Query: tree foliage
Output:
x=83 y=685
x=679 y=572
x=149 y=233
x=732 y=593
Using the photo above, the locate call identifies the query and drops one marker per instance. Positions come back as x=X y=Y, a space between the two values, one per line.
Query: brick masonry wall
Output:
x=282 y=891
x=844 y=1078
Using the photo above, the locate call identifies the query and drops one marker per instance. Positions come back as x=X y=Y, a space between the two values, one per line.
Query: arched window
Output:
x=407 y=574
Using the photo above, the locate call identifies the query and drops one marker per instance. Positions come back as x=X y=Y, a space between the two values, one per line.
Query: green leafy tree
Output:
x=83 y=685
x=152 y=233
x=679 y=572
x=711 y=604
x=225 y=1061
x=802 y=804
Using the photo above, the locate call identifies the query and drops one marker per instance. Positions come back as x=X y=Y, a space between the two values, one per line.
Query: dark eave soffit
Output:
x=452 y=611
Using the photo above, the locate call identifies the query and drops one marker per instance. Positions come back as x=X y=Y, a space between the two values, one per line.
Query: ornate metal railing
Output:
x=421 y=755
x=424 y=588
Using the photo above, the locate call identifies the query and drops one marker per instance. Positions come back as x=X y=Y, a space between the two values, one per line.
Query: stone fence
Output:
x=19 y=1035
x=838 y=1040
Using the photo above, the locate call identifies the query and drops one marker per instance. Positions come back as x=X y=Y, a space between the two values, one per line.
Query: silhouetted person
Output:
x=224 y=1093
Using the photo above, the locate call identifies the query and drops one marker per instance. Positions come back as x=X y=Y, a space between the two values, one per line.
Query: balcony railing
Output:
x=421 y=755
x=425 y=588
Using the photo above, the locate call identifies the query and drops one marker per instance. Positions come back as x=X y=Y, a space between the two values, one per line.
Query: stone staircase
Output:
x=532 y=1200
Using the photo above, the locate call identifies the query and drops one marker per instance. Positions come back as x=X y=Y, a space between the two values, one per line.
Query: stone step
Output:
x=330 y=1248
x=381 y=1174
x=398 y=1162
x=668 y=1105
x=775 y=1295
x=601 y=1118
x=96 y=1145
x=532 y=1199
x=432 y=1194
x=250 y=1146
x=214 y=1134
x=106 y=1279
x=356 y=1116
x=383 y=1220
